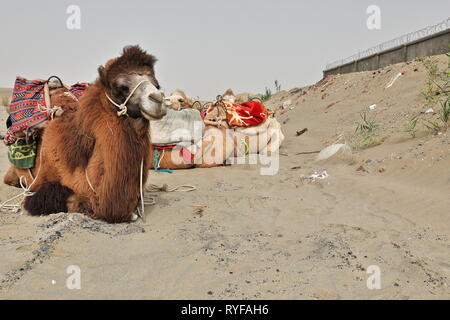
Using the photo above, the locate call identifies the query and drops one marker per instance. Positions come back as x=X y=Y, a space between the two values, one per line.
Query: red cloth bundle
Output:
x=247 y=114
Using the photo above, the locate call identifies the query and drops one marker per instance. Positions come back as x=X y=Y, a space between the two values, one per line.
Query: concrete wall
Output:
x=428 y=46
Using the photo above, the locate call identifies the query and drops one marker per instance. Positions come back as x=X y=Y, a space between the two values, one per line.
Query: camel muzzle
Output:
x=157 y=97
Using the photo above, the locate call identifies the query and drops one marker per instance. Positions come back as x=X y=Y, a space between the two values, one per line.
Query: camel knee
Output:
x=11 y=178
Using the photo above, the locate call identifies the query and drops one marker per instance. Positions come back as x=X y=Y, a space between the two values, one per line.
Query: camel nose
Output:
x=156 y=96
x=167 y=102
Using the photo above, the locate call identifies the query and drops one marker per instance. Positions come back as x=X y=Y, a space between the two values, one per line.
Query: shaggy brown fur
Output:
x=91 y=143
x=49 y=198
x=78 y=150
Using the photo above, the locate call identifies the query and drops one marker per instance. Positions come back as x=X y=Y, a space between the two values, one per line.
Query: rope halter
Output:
x=123 y=107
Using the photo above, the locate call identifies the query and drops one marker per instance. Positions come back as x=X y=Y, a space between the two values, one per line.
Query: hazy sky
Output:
x=203 y=46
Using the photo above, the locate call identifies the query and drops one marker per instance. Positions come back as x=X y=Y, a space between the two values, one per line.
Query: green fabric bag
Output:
x=22 y=154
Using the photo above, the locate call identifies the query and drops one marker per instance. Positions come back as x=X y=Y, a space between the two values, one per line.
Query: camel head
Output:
x=179 y=100
x=229 y=96
x=131 y=76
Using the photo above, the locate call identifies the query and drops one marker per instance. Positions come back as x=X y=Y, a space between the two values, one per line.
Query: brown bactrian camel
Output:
x=220 y=144
x=239 y=97
x=215 y=148
x=180 y=100
x=229 y=96
x=90 y=159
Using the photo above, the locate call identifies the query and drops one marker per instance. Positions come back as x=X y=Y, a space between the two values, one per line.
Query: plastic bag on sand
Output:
x=316 y=175
x=391 y=83
x=330 y=151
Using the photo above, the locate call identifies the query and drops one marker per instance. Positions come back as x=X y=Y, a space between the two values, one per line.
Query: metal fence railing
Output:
x=407 y=38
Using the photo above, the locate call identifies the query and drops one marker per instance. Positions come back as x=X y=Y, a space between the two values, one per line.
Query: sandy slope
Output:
x=268 y=237
x=5 y=95
x=5 y=92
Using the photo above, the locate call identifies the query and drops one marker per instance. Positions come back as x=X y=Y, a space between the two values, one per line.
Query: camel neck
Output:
x=96 y=104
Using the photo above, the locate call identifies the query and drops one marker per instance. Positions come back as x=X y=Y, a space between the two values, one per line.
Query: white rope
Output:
x=154 y=188
x=31 y=174
x=141 y=190
x=89 y=181
x=160 y=159
x=26 y=189
x=55 y=111
x=165 y=188
x=123 y=107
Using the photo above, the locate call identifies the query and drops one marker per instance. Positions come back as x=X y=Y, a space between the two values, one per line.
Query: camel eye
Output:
x=180 y=100
x=121 y=88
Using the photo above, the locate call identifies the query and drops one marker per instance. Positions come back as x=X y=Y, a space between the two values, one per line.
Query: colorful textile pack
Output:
x=79 y=89
x=30 y=104
x=28 y=107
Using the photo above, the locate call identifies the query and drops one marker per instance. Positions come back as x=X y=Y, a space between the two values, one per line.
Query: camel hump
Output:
x=229 y=92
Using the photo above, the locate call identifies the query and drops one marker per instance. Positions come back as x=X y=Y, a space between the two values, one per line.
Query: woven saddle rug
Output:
x=31 y=107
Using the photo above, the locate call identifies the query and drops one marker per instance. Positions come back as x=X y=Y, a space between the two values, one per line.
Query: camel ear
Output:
x=151 y=60
x=102 y=76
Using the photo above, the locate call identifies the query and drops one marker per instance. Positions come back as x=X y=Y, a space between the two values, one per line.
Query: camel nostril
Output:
x=156 y=96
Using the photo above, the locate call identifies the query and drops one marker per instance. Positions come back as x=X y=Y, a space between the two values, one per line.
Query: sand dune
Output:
x=269 y=237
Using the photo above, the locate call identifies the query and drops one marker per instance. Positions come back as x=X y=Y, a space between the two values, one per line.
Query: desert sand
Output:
x=268 y=237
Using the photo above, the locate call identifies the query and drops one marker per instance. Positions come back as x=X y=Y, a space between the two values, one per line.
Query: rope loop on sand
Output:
x=26 y=190
x=165 y=188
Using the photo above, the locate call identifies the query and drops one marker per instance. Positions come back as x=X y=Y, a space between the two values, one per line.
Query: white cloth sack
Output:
x=177 y=127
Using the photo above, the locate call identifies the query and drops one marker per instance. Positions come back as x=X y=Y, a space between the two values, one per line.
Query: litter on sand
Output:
x=372 y=107
x=199 y=209
x=300 y=132
x=390 y=84
x=328 y=152
x=314 y=176
x=429 y=111
x=287 y=104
